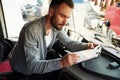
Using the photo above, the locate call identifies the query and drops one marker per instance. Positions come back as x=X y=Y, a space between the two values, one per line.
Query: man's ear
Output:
x=51 y=11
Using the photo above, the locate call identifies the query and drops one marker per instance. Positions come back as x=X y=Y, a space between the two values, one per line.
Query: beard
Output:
x=55 y=25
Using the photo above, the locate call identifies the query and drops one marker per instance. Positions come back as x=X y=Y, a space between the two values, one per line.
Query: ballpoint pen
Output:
x=67 y=51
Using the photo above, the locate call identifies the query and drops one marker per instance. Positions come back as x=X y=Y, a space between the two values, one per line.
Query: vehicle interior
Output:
x=15 y=13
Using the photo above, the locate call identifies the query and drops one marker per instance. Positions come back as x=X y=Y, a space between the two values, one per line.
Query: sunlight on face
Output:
x=60 y=16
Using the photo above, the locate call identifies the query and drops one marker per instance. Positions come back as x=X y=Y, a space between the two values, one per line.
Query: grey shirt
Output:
x=29 y=54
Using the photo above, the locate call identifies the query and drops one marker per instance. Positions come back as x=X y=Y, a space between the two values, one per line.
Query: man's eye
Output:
x=63 y=16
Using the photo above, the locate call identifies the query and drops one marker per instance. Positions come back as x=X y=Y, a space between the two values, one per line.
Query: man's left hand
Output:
x=91 y=45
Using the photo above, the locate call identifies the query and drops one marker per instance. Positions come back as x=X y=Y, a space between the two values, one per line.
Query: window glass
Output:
x=87 y=18
x=18 y=12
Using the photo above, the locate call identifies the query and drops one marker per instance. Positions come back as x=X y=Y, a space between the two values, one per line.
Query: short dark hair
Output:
x=55 y=3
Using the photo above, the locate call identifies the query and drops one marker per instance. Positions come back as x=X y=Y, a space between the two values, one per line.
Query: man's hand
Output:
x=69 y=59
x=91 y=45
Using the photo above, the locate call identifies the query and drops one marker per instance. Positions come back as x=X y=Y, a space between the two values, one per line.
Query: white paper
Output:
x=88 y=54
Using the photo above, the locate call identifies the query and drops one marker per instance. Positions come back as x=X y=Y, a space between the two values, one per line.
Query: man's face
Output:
x=60 y=16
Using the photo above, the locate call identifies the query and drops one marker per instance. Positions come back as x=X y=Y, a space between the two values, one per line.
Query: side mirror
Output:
x=107 y=23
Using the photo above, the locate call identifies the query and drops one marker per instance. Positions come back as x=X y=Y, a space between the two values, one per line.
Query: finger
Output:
x=74 y=55
x=95 y=45
x=91 y=45
x=75 y=58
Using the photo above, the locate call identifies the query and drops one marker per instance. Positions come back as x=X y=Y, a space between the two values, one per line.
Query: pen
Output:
x=67 y=51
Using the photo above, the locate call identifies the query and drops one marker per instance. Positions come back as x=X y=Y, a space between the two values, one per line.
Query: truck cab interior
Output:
x=105 y=67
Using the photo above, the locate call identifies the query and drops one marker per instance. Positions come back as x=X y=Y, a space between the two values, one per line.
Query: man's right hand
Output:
x=69 y=59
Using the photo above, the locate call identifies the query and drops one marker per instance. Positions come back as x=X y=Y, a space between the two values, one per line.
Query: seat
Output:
x=6 y=72
x=5 y=69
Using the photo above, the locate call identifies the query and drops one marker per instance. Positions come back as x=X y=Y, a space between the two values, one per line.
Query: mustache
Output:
x=67 y=24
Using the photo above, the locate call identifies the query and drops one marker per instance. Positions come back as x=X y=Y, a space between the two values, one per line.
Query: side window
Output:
x=18 y=12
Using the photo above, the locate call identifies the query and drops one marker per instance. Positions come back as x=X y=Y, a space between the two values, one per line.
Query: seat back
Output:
x=5 y=68
x=5 y=47
x=6 y=72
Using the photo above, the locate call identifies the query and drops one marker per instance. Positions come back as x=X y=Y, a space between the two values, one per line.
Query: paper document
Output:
x=88 y=54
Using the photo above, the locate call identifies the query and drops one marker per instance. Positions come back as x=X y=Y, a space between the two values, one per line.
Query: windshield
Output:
x=88 y=19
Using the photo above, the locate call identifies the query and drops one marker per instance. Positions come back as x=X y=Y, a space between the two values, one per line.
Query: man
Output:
x=37 y=38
